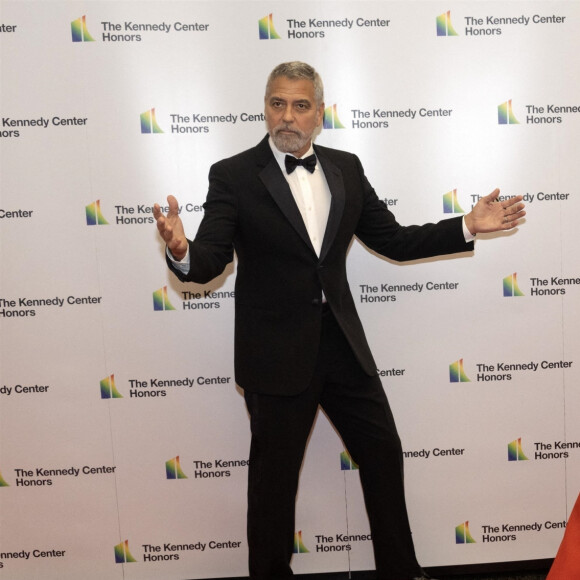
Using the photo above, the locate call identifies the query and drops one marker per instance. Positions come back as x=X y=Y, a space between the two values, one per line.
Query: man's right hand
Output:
x=171 y=228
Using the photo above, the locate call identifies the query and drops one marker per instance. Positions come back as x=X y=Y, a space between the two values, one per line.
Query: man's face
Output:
x=292 y=114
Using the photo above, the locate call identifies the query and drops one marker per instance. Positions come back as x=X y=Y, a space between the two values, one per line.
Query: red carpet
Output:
x=566 y=566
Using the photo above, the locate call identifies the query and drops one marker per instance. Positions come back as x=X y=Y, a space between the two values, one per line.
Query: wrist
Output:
x=469 y=224
x=178 y=253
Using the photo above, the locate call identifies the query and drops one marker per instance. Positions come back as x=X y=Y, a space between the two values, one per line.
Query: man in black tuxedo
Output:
x=299 y=342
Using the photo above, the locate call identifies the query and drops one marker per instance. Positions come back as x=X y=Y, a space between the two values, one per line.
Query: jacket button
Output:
x=315 y=302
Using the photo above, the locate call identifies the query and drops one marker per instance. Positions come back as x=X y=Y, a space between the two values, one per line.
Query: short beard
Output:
x=289 y=143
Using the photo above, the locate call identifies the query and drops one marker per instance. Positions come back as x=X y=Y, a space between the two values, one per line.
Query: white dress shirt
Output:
x=311 y=194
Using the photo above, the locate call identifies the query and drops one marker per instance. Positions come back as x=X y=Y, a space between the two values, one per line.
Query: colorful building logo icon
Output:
x=108 y=388
x=505 y=114
x=462 y=535
x=79 y=30
x=161 y=300
x=331 y=120
x=266 y=28
x=149 y=122
x=444 y=26
x=510 y=286
x=451 y=203
x=299 y=547
x=3 y=482
x=94 y=215
x=122 y=553
x=346 y=462
x=173 y=469
x=515 y=451
x=457 y=373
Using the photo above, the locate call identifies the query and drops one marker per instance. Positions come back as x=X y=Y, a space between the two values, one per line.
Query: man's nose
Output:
x=288 y=114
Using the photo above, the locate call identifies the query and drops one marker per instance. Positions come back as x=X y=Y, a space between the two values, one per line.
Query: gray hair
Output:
x=297 y=70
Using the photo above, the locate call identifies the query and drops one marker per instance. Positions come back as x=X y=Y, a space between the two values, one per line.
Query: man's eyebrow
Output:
x=297 y=101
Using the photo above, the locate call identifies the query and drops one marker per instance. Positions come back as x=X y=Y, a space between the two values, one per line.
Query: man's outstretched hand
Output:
x=491 y=215
x=171 y=228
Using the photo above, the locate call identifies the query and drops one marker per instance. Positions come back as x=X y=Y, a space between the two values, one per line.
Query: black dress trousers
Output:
x=357 y=406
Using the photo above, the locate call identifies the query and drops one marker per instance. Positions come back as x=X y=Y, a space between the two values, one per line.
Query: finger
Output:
x=518 y=208
x=513 y=211
x=173 y=205
x=513 y=220
x=156 y=211
x=163 y=226
x=512 y=201
x=492 y=196
x=167 y=235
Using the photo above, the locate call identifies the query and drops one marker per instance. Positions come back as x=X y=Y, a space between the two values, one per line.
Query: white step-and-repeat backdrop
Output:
x=123 y=438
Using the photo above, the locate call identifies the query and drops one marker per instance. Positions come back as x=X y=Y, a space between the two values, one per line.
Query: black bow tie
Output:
x=308 y=163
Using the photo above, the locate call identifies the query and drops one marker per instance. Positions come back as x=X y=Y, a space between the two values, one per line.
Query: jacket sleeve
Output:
x=379 y=230
x=213 y=246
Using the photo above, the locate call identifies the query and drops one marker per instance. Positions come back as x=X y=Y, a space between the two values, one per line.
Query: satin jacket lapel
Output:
x=278 y=187
x=336 y=185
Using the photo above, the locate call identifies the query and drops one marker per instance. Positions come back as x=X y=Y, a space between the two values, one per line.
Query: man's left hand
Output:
x=491 y=215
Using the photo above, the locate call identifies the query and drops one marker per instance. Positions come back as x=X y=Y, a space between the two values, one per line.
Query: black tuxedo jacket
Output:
x=280 y=279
